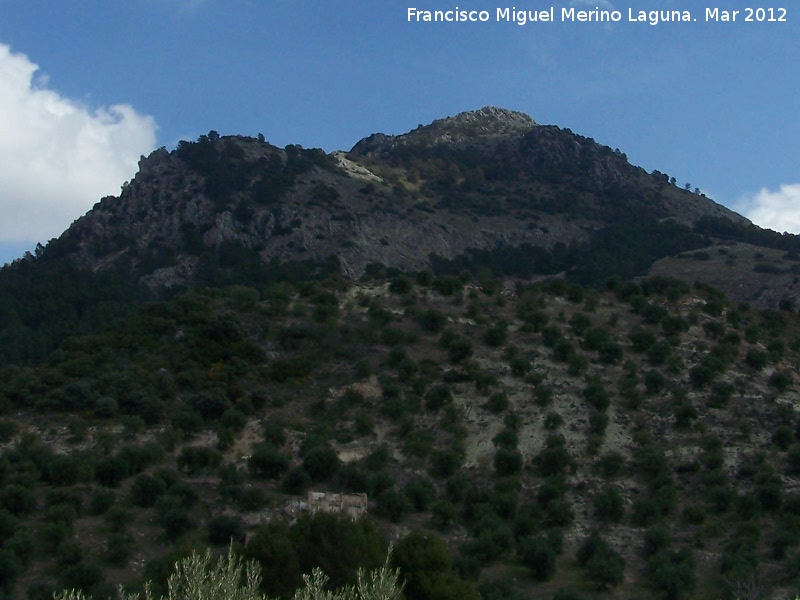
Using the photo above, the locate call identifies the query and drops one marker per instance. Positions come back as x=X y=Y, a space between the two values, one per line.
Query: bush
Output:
x=539 y=556
x=17 y=499
x=459 y=350
x=609 y=506
x=602 y=565
x=507 y=462
x=321 y=463
x=425 y=563
x=200 y=576
x=610 y=465
x=672 y=573
x=596 y=395
x=781 y=380
x=146 y=490
x=656 y=539
x=197 y=459
x=498 y=402
x=224 y=530
x=119 y=547
x=265 y=461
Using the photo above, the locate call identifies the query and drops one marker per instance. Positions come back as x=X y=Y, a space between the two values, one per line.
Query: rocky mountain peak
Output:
x=487 y=120
x=463 y=128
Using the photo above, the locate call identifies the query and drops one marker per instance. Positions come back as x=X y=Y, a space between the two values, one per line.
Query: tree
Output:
x=200 y=577
x=609 y=505
x=539 y=556
x=271 y=545
x=602 y=565
x=425 y=563
x=672 y=572
x=319 y=540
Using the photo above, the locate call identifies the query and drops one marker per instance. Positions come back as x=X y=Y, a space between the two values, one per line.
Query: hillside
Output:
x=487 y=189
x=512 y=422
x=536 y=369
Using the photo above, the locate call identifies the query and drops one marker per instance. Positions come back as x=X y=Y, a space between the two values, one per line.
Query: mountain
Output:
x=498 y=343
x=484 y=190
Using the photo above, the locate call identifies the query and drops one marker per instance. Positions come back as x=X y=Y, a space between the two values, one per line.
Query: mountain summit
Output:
x=464 y=127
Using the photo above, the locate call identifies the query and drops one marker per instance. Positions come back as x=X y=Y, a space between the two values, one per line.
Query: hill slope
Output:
x=503 y=420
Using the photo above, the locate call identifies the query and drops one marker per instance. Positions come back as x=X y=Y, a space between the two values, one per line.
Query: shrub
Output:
x=225 y=529
x=432 y=321
x=265 y=461
x=609 y=506
x=200 y=576
x=610 y=464
x=756 y=359
x=554 y=459
x=507 y=462
x=596 y=395
x=110 y=471
x=602 y=565
x=119 y=547
x=539 y=556
x=498 y=402
x=321 y=463
x=781 y=380
x=672 y=573
x=17 y=499
x=656 y=539
x=721 y=392
x=459 y=350
x=684 y=415
x=437 y=397
x=496 y=336
x=146 y=490
x=552 y=421
x=425 y=564
x=445 y=463
x=654 y=382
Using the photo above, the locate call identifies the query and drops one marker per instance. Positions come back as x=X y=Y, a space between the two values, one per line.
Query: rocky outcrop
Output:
x=478 y=181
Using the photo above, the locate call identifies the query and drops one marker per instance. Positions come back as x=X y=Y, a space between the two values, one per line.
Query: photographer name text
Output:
x=596 y=15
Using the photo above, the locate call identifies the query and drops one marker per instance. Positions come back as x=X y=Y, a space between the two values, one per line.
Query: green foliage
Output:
x=610 y=465
x=496 y=336
x=225 y=529
x=609 y=505
x=425 y=564
x=198 y=459
x=596 y=395
x=538 y=555
x=200 y=577
x=554 y=459
x=602 y=565
x=321 y=463
x=318 y=541
x=146 y=489
x=266 y=461
x=507 y=462
x=498 y=402
x=672 y=573
x=459 y=350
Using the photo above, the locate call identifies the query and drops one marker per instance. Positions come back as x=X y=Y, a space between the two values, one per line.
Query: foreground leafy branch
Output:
x=199 y=577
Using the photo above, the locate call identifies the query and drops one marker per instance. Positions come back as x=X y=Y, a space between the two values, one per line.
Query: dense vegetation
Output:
x=656 y=417
x=582 y=435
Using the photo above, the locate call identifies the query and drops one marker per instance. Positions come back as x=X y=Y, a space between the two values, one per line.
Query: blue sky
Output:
x=87 y=86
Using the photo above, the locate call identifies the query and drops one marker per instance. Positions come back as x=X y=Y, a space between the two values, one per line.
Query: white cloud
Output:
x=58 y=156
x=778 y=210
